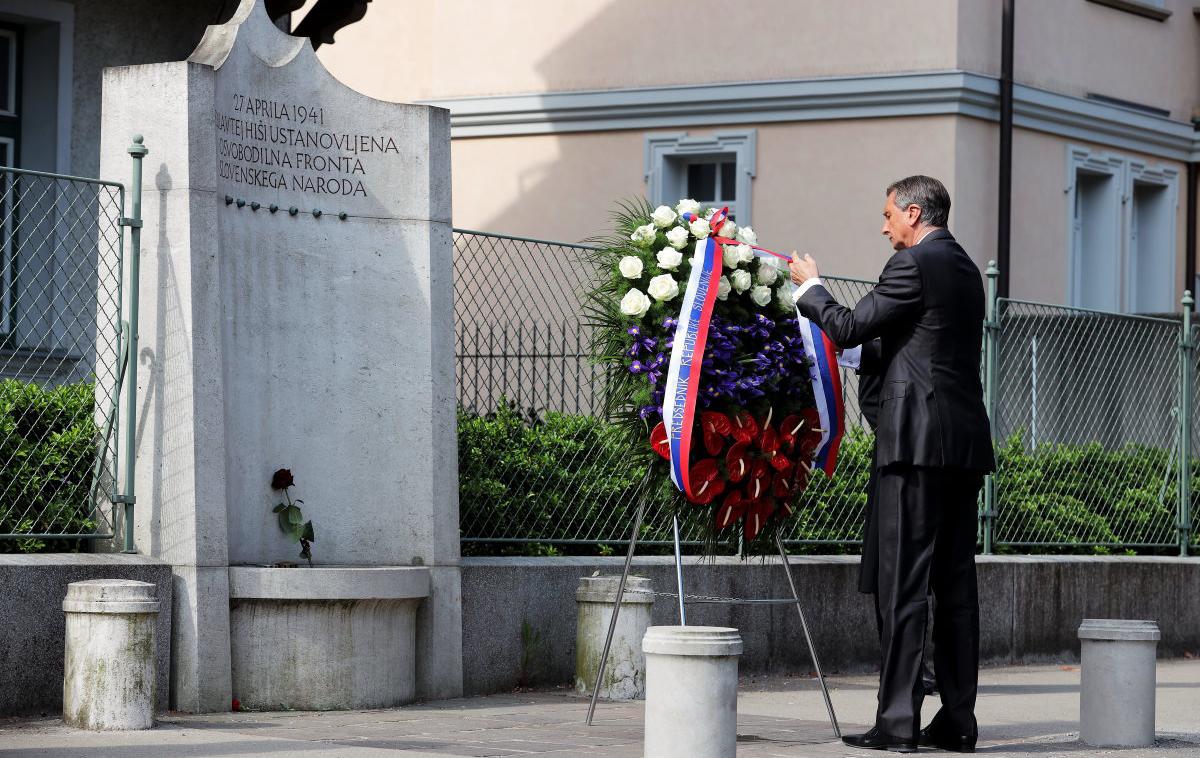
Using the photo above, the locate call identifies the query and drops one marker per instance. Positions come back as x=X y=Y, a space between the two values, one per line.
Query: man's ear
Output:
x=912 y=213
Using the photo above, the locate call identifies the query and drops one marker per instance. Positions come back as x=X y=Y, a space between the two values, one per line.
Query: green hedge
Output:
x=521 y=475
x=48 y=443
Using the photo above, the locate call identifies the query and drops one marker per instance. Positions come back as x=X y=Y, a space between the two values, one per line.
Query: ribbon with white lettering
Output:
x=687 y=353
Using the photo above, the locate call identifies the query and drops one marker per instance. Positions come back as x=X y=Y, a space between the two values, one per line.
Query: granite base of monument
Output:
x=328 y=638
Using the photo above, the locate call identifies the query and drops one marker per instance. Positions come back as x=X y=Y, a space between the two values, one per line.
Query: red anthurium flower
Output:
x=801 y=477
x=781 y=463
x=757 y=515
x=789 y=429
x=745 y=428
x=713 y=442
x=705 y=475
x=737 y=463
x=783 y=486
x=807 y=445
x=658 y=441
x=760 y=480
x=812 y=418
x=768 y=440
x=708 y=491
x=716 y=422
x=704 y=470
x=732 y=510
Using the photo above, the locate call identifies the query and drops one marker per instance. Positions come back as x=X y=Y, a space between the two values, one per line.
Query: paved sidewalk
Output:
x=1022 y=711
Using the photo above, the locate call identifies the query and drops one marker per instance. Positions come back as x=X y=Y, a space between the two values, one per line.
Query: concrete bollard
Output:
x=108 y=676
x=691 y=691
x=1117 y=679
x=625 y=673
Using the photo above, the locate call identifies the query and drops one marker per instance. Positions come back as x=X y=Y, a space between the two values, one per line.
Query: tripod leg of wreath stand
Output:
x=612 y=622
x=679 y=574
x=787 y=569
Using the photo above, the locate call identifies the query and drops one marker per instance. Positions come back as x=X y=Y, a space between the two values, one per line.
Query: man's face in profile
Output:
x=896 y=223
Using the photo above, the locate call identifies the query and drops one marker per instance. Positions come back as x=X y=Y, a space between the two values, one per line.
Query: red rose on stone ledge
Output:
x=282 y=479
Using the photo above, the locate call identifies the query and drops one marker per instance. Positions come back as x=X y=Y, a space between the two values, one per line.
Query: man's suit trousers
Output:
x=925 y=535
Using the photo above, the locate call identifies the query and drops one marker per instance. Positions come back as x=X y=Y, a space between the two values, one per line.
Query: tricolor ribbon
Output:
x=827 y=392
x=680 y=403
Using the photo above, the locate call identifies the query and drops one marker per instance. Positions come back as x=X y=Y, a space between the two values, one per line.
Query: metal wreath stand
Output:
x=612 y=623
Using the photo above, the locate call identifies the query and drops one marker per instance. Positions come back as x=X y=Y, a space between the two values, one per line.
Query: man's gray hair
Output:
x=927 y=193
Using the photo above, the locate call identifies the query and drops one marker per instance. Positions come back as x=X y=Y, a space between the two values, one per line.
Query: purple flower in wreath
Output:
x=637 y=367
x=670 y=323
x=654 y=369
x=649 y=412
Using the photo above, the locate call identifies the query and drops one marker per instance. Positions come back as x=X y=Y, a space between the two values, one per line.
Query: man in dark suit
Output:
x=933 y=446
x=865 y=362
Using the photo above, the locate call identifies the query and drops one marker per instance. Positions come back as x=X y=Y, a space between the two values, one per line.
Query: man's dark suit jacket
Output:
x=927 y=311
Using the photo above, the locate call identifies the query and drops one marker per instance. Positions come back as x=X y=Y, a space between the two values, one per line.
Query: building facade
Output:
x=798 y=113
x=795 y=113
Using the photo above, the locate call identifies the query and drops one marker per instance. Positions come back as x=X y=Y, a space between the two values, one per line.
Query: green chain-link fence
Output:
x=60 y=356
x=1086 y=419
x=1087 y=412
x=536 y=462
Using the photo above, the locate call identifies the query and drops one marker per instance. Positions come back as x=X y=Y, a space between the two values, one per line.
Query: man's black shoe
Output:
x=955 y=743
x=877 y=740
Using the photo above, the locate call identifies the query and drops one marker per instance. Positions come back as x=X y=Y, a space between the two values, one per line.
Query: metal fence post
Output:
x=1186 y=362
x=137 y=151
x=991 y=339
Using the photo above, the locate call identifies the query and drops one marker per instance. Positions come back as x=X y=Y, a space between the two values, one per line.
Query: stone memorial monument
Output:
x=296 y=312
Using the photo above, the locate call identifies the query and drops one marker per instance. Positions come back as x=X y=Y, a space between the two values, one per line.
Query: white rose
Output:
x=699 y=228
x=784 y=296
x=663 y=287
x=740 y=280
x=761 y=295
x=723 y=287
x=663 y=216
x=728 y=230
x=729 y=256
x=669 y=258
x=678 y=237
x=635 y=303
x=631 y=267
x=745 y=253
x=644 y=235
x=767 y=273
x=747 y=235
x=687 y=206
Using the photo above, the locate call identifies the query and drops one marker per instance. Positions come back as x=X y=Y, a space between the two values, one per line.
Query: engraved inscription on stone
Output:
x=262 y=142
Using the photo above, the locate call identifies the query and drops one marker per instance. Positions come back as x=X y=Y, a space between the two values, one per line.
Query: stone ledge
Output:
x=78 y=559
x=329 y=583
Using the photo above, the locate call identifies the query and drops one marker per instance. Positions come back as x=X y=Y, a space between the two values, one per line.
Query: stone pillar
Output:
x=1116 y=697
x=625 y=672
x=691 y=691
x=109 y=671
x=296 y=312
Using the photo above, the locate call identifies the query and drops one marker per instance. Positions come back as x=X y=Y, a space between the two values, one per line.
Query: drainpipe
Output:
x=1190 y=251
x=1004 y=194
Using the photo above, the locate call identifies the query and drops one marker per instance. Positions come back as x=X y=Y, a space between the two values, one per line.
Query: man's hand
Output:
x=802 y=269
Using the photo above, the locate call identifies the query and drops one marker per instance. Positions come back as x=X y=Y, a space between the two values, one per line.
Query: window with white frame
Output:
x=714 y=170
x=1121 y=232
